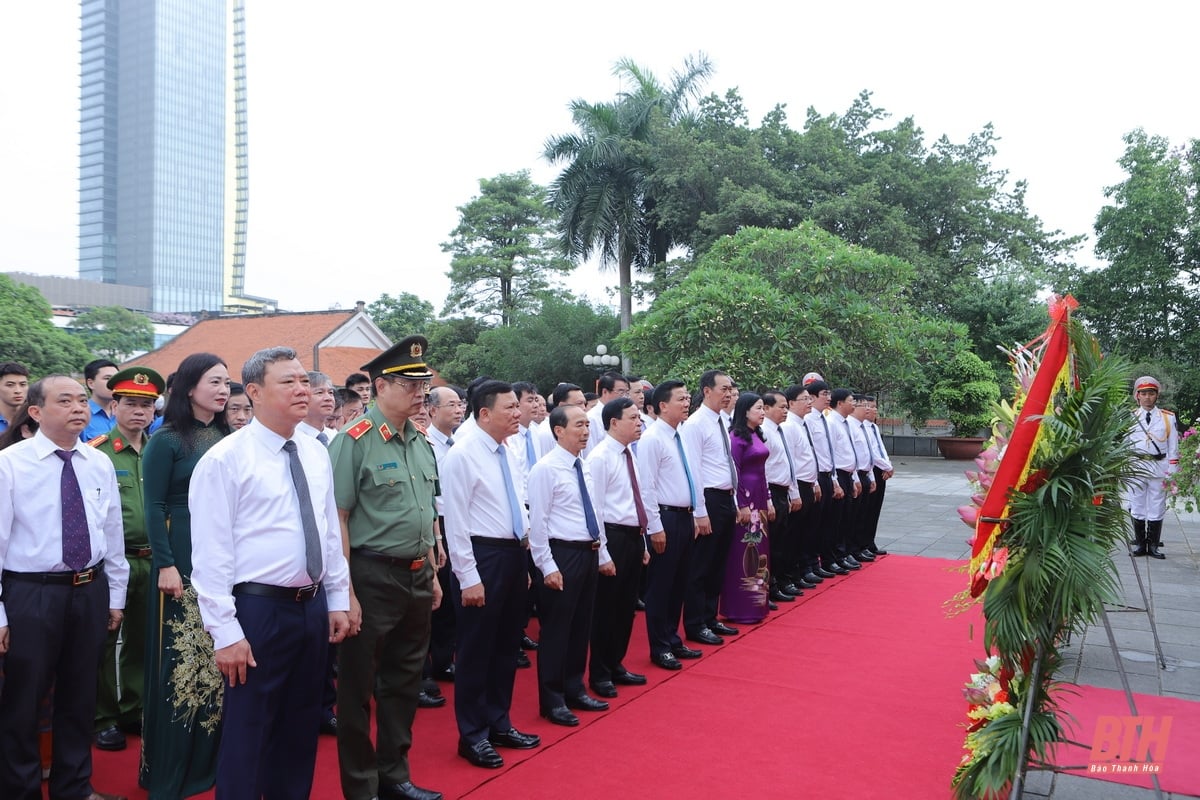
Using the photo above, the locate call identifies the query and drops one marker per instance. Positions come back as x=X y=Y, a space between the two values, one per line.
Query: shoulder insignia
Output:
x=99 y=440
x=118 y=445
x=385 y=432
x=359 y=428
x=1167 y=413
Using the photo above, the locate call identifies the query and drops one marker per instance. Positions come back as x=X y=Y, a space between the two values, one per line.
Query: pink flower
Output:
x=968 y=514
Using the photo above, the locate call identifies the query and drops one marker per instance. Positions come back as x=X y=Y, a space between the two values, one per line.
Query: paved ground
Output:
x=919 y=518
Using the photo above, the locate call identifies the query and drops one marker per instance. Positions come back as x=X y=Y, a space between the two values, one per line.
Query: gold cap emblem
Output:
x=141 y=379
x=415 y=350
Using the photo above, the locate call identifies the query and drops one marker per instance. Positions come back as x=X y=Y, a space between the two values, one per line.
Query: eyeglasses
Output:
x=409 y=384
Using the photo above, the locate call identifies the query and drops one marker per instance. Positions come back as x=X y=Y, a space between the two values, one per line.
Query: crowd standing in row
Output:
x=272 y=534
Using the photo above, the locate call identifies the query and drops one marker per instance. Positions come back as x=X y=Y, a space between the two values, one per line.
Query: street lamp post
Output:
x=602 y=362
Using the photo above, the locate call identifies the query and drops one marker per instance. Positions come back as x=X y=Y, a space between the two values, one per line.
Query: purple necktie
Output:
x=637 y=492
x=76 y=540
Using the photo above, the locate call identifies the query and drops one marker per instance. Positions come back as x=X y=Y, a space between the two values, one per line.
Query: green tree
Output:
x=114 y=332
x=1143 y=303
x=601 y=194
x=402 y=315
x=503 y=258
x=770 y=305
x=452 y=347
x=968 y=391
x=27 y=335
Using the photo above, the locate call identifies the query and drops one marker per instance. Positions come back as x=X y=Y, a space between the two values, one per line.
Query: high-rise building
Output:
x=163 y=174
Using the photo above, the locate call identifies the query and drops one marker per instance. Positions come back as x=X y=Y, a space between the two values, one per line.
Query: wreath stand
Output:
x=1018 y=784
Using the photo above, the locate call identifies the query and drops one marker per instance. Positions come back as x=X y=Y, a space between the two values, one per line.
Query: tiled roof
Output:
x=237 y=338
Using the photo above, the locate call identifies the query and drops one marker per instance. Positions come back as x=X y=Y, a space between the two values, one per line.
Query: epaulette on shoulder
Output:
x=359 y=428
x=1168 y=413
x=99 y=440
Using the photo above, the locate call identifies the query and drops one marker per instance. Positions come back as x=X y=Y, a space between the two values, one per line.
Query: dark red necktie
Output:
x=637 y=493
x=76 y=540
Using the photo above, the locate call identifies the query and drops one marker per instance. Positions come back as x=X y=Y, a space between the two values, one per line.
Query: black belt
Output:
x=728 y=492
x=294 y=593
x=827 y=473
x=412 y=564
x=591 y=544
x=847 y=473
x=781 y=487
x=500 y=541
x=631 y=529
x=81 y=578
x=139 y=552
x=676 y=509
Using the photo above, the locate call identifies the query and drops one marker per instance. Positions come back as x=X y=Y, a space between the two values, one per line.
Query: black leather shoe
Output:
x=408 y=791
x=723 y=629
x=1153 y=553
x=110 y=739
x=329 y=726
x=604 y=688
x=523 y=661
x=514 y=739
x=879 y=551
x=850 y=562
x=804 y=583
x=480 y=754
x=585 y=703
x=528 y=644
x=446 y=675
x=809 y=577
x=627 y=678
x=705 y=636
x=561 y=716
x=641 y=605
x=780 y=596
x=793 y=589
x=666 y=661
x=828 y=571
x=683 y=651
x=865 y=555
x=426 y=700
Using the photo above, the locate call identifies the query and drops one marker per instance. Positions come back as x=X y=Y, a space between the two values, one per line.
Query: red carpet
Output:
x=852 y=691
x=1179 y=766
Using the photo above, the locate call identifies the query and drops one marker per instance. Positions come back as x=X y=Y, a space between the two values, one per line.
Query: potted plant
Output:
x=968 y=391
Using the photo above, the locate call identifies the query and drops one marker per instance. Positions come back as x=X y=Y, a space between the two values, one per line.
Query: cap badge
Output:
x=415 y=350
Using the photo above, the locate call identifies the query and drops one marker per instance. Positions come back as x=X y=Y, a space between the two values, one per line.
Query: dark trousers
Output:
x=861 y=537
x=803 y=554
x=846 y=512
x=566 y=620
x=56 y=635
x=872 y=509
x=707 y=573
x=485 y=650
x=779 y=534
x=383 y=661
x=270 y=723
x=666 y=582
x=122 y=670
x=828 y=512
x=616 y=603
x=442 y=626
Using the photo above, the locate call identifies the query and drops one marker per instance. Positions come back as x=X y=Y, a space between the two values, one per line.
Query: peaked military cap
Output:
x=405 y=358
x=137 y=382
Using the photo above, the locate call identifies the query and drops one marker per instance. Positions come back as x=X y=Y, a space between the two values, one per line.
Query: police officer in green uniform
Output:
x=119 y=695
x=385 y=481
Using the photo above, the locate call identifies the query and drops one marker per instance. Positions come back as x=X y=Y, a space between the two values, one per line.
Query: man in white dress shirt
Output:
x=834 y=496
x=612 y=385
x=881 y=466
x=271 y=580
x=803 y=558
x=62 y=552
x=487 y=534
x=622 y=502
x=785 y=495
x=446 y=408
x=845 y=464
x=569 y=550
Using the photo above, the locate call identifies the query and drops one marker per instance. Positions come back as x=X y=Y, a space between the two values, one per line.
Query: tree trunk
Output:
x=625 y=272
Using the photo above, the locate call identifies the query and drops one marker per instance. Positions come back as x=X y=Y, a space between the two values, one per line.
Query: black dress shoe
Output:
x=560 y=716
x=809 y=577
x=705 y=636
x=793 y=589
x=429 y=686
x=850 y=562
x=523 y=661
x=528 y=644
x=879 y=551
x=627 y=678
x=604 y=688
x=426 y=700
x=865 y=555
x=772 y=605
x=585 y=703
x=780 y=596
x=827 y=571
x=514 y=739
x=641 y=605
x=329 y=726
x=408 y=791
x=666 y=661
x=110 y=739
x=683 y=651
x=446 y=675
x=722 y=628
x=480 y=754
x=836 y=569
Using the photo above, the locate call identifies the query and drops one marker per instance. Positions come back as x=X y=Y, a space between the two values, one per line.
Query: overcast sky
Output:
x=371 y=121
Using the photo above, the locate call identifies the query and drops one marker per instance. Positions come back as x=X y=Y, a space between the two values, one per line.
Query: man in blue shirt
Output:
x=96 y=375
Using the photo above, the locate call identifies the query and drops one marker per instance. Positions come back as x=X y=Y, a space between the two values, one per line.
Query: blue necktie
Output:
x=686 y=471
x=313 y=560
x=850 y=436
x=514 y=505
x=829 y=441
x=875 y=430
x=791 y=464
x=76 y=538
x=589 y=513
x=530 y=458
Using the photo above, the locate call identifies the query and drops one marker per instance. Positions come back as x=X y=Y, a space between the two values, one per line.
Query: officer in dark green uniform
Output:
x=385 y=482
x=119 y=695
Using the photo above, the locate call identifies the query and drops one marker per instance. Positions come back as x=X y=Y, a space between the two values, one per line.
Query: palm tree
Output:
x=600 y=194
